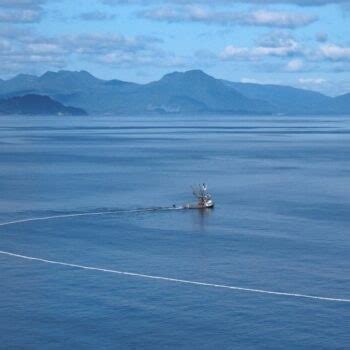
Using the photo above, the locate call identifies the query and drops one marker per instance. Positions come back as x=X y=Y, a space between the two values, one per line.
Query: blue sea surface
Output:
x=281 y=223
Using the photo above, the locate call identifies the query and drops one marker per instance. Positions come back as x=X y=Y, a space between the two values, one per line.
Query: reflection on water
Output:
x=201 y=218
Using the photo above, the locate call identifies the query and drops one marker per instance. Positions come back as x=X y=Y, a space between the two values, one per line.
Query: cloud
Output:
x=232 y=52
x=332 y=87
x=20 y=16
x=282 y=53
x=118 y=50
x=287 y=49
x=225 y=2
x=101 y=43
x=132 y=59
x=21 y=11
x=247 y=80
x=21 y=3
x=295 y=65
x=335 y=52
x=316 y=84
x=23 y=50
x=96 y=16
x=191 y=13
x=276 y=38
x=314 y=81
x=311 y=83
x=287 y=54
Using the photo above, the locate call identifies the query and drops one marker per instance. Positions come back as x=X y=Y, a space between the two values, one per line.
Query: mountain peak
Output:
x=65 y=79
x=196 y=72
x=190 y=74
x=65 y=73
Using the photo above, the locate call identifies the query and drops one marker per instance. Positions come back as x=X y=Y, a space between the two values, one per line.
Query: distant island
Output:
x=192 y=92
x=36 y=105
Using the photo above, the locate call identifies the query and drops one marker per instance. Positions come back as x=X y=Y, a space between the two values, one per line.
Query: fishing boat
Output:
x=204 y=200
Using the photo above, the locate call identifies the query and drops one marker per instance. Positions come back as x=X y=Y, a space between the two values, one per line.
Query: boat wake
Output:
x=145 y=276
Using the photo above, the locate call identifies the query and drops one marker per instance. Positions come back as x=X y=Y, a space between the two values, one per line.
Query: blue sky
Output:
x=304 y=43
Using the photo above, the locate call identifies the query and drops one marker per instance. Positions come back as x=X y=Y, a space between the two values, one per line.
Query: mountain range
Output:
x=192 y=92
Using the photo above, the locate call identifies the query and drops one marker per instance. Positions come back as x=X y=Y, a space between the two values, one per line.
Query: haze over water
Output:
x=281 y=223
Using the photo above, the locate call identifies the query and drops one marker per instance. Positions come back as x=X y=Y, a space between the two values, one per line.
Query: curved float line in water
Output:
x=168 y=279
x=89 y=214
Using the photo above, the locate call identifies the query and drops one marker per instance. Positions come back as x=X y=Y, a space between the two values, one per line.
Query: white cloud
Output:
x=312 y=81
x=232 y=52
x=294 y=65
x=20 y=16
x=225 y=2
x=276 y=38
x=133 y=59
x=26 y=50
x=21 y=3
x=191 y=13
x=272 y=81
x=335 y=52
x=21 y=11
x=280 y=19
x=44 y=49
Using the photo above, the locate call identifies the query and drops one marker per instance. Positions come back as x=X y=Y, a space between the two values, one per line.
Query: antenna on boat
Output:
x=203 y=197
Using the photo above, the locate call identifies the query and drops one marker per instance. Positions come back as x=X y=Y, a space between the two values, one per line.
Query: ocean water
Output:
x=281 y=223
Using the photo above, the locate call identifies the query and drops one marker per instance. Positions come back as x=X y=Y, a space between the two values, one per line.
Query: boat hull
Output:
x=208 y=205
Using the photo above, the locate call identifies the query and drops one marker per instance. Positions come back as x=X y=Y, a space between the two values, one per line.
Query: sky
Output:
x=302 y=43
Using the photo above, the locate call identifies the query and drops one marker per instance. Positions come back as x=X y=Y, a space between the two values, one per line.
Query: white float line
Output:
x=296 y=295
x=87 y=214
x=175 y=280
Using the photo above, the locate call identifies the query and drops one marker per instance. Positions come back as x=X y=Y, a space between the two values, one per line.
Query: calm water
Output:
x=281 y=223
